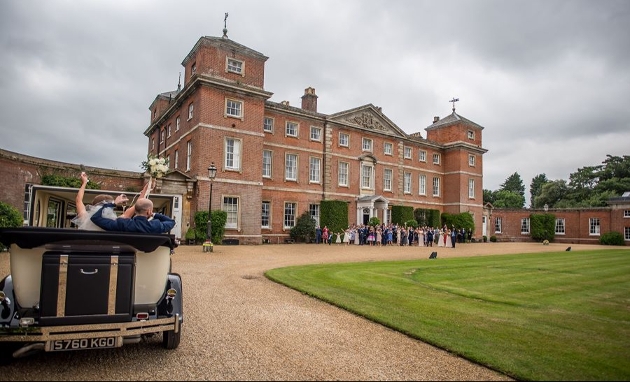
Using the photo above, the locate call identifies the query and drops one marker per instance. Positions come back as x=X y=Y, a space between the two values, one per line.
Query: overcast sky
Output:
x=548 y=80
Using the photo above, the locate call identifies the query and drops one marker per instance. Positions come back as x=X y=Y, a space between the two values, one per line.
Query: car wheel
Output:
x=170 y=339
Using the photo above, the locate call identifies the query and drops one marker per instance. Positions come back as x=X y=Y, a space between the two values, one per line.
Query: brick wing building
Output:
x=276 y=161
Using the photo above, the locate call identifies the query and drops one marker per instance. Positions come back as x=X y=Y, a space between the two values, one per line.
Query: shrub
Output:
x=611 y=238
x=493 y=239
x=543 y=226
x=10 y=217
x=219 y=218
x=485 y=238
x=304 y=228
x=411 y=223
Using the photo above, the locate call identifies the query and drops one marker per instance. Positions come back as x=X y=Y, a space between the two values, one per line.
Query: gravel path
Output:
x=240 y=326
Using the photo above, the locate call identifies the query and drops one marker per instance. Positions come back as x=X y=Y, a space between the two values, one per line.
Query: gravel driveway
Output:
x=240 y=326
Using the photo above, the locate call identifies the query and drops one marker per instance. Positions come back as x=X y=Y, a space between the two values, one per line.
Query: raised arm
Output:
x=81 y=211
x=129 y=212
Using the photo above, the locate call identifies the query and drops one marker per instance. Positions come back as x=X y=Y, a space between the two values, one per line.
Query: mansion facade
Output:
x=275 y=161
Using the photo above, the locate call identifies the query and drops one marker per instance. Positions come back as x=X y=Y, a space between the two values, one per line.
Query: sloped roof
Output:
x=452 y=119
x=226 y=43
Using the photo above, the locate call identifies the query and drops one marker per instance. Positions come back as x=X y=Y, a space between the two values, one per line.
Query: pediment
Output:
x=368 y=117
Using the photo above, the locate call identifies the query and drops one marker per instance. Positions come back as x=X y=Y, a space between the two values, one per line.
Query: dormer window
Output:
x=471 y=135
x=235 y=66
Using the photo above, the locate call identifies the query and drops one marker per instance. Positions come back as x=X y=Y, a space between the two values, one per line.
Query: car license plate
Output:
x=84 y=343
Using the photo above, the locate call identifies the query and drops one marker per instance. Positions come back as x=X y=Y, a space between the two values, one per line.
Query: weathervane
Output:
x=225 y=26
x=453 y=101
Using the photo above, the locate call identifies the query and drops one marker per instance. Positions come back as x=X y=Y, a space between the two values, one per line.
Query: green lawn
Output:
x=543 y=316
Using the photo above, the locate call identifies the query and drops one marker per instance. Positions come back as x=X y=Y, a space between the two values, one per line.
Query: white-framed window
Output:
x=593 y=226
x=367 y=176
x=152 y=143
x=314 y=170
x=176 y=164
x=560 y=227
x=436 y=158
x=290 y=209
x=313 y=210
x=388 y=148
x=471 y=188
x=177 y=123
x=233 y=150
x=422 y=156
x=407 y=183
x=626 y=213
x=387 y=179
x=233 y=108
x=407 y=152
x=343 y=174
x=626 y=233
x=268 y=125
x=471 y=160
x=367 y=144
x=422 y=185
x=290 y=166
x=193 y=69
x=344 y=140
x=265 y=220
x=235 y=66
x=191 y=108
x=169 y=161
x=266 y=163
x=316 y=133
x=471 y=134
x=168 y=130
x=291 y=129
x=161 y=136
x=436 y=186
x=230 y=206
x=497 y=225
x=189 y=149
x=525 y=226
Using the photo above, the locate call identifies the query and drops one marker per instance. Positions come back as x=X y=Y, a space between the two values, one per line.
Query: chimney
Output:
x=435 y=119
x=309 y=100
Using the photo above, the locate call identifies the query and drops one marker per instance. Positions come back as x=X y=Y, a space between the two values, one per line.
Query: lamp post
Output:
x=212 y=172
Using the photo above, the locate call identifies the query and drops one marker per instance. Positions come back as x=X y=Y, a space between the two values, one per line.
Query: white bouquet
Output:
x=157 y=167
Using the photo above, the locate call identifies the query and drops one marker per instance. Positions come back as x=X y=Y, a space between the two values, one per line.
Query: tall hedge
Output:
x=334 y=215
x=461 y=220
x=427 y=217
x=401 y=214
x=543 y=226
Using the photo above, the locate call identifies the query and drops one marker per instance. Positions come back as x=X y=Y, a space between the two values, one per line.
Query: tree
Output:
x=488 y=196
x=508 y=199
x=515 y=184
x=535 y=188
x=551 y=193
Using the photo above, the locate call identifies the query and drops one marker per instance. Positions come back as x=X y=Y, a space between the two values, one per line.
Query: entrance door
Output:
x=366 y=216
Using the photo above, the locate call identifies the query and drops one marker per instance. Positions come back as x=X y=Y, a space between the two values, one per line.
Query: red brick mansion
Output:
x=275 y=161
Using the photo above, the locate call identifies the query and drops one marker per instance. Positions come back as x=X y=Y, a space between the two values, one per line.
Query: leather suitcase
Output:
x=86 y=287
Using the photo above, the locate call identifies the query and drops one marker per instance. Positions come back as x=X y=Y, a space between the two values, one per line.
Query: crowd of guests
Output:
x=393 y=234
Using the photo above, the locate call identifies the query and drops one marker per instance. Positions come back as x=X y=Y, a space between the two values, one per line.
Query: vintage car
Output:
x=71 y=290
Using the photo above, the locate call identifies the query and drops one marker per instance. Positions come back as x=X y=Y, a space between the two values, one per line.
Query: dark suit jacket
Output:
x=159 y=224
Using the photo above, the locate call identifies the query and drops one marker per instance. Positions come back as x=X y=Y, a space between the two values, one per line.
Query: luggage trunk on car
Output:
x=86 y=287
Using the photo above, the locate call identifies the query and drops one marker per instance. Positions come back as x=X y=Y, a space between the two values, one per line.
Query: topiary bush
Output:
x=611 y=238
x=493 y=239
